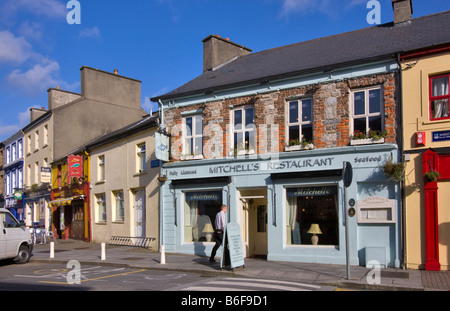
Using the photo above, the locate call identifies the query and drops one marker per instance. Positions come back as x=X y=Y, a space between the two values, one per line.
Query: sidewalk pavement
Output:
x=319 y=274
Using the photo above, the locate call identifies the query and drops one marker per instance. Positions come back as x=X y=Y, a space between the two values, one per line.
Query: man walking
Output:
x=219 y=224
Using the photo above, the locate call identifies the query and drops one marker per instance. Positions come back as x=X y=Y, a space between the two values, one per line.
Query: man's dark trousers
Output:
x=218 y=235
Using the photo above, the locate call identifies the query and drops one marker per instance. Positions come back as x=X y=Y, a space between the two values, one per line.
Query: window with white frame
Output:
x=28 y=172
x=20 y=148
x=300 y=122
x=119 y=214
x=29 y=144
x=45 y=135
x=193 y=136
x=100 y=205
x=141 y=155
x=8 y=155
x=36 y=140
x=367 y=109
x=8 y=183
x=20 y=179
x=13 y=152
x=13 y=181
x=244 y=130
x=101 y=168
x=36 y=172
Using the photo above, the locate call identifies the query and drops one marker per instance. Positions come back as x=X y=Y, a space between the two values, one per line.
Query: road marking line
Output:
x=277 y=282
x=258 y=285
x=99 y=278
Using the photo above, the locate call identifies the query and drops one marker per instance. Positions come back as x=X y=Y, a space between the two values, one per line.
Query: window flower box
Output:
x=373 y=137
x=295 y=145
x=366 y=141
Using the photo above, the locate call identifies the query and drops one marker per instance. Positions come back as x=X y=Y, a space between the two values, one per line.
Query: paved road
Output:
x=59 y=277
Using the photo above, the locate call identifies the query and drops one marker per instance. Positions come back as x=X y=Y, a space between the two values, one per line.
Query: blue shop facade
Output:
x=289 y=206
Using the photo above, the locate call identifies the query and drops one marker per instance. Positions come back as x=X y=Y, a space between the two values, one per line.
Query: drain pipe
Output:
x=402 y=183
x=161 y=192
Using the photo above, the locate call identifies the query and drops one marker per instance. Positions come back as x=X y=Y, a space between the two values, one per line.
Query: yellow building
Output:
x=426 y=141
x=70 y=198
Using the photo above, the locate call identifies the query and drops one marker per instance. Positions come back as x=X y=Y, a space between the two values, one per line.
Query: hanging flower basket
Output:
x=431 y=176
x=395 y=171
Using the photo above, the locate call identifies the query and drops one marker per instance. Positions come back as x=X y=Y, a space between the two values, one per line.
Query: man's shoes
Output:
x=211 y=260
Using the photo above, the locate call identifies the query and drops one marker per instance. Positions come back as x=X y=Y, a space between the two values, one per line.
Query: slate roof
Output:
x=323 y=54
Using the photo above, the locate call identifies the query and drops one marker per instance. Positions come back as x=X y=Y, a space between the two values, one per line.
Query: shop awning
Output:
x=65 y=201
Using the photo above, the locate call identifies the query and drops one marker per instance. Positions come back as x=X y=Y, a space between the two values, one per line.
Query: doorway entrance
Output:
x=253 y=203
x=139 y=213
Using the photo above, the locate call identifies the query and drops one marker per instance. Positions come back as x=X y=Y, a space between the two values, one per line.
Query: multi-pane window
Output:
x=101 y=168
x=8 y=155
x=20 y=148
x=101 y=207
x=367 y=108
x=193 y=136
x=119 y=214
x=439 y=97
x=300 y=121
x=45 y=135
x=36 y=140
x=141 y=165
x=244 y=130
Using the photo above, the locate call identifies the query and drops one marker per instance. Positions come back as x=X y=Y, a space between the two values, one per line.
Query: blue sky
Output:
x=158 y=42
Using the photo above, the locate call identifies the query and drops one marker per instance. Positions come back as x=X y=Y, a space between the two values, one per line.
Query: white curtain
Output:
x=440 y=88
x=293 y=227
x=190 y=220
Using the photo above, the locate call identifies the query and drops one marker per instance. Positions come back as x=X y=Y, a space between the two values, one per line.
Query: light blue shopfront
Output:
x=277 y=199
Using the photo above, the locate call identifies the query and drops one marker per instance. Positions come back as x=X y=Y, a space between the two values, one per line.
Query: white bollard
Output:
x=103 y=255
x=52 y=249
x=163 y=255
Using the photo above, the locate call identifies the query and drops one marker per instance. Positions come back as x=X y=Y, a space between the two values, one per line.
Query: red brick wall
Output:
x=331 y=104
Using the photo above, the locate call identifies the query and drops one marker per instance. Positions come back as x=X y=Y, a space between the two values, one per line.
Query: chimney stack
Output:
x=217 y=51
x=403 y=10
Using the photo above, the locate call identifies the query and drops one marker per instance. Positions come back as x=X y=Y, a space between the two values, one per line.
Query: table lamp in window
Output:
x=208 y=229
x=314 y=230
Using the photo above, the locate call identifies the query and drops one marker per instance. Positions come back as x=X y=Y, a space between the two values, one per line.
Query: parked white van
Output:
x=15 y=240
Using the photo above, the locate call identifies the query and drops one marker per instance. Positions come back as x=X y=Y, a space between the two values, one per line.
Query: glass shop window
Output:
x=200 y=211
x=312 y=212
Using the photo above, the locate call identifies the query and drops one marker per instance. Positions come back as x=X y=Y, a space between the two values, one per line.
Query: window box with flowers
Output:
x=373 y=137
x=296 y=144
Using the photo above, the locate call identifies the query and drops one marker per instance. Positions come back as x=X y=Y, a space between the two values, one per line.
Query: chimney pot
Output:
x=58 y=87
x=116 y=72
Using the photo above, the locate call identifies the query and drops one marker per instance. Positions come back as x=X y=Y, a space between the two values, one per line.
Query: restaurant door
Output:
x=254 y=221
x=77 y=224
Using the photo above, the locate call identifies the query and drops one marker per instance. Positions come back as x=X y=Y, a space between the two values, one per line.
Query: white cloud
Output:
x=93 y=32
x=30 y=30
x=327 y=7
x=23 y=118
x=37 y=79
x=7 y=130
x=13 y=49
x=48 y=8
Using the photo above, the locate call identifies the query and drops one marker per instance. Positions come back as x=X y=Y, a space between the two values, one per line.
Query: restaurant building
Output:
x=269 y=133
